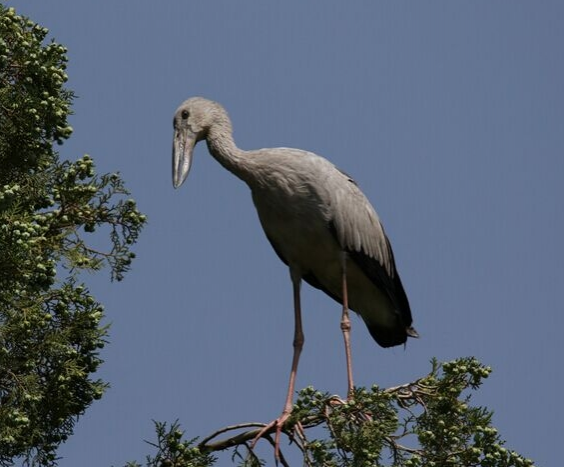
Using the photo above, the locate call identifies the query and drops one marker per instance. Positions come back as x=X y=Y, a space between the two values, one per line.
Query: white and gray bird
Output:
x=317 y=220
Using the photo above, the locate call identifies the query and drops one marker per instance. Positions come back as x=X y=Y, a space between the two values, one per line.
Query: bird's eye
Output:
x=184 y=114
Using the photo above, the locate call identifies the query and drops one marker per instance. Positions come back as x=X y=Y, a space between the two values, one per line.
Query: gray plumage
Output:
x=312 y=214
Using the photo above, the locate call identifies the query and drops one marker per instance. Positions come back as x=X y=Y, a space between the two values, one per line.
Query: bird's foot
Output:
x=336 y=400
x=278 y=424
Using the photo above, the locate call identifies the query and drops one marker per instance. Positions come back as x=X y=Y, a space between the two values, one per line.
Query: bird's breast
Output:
x=297 y=226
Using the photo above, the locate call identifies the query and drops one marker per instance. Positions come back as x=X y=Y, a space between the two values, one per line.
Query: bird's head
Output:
x=192 y=122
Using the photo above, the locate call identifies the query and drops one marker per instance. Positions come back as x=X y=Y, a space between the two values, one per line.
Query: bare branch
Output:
x=236 y=440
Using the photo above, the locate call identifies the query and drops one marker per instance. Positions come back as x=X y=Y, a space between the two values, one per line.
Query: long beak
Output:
x=182 y=148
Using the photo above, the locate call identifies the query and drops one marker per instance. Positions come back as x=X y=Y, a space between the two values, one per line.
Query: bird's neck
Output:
x=223 y=148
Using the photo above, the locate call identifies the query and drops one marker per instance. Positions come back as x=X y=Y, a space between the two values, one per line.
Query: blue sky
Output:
x=450 y=116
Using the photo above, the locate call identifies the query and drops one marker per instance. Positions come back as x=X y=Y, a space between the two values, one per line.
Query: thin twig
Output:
x=280 y=455
x=251 y=453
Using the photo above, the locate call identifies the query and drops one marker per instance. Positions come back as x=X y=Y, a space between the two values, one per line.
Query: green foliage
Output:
x=429 y=422
x=34 y=104
x=172 y=451
x=50 y=325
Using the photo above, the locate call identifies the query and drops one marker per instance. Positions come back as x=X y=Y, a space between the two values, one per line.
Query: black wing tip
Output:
x=386 y=337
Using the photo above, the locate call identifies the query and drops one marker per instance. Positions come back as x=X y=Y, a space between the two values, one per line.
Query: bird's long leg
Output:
x=346 y=326
x=298 y=345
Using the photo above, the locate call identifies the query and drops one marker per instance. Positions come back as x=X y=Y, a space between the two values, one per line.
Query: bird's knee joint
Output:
x=299 y=342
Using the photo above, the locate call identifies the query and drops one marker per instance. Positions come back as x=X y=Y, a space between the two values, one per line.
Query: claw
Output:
x=279 y=424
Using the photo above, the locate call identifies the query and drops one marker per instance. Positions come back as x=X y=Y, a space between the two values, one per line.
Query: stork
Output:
x=319 y=223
